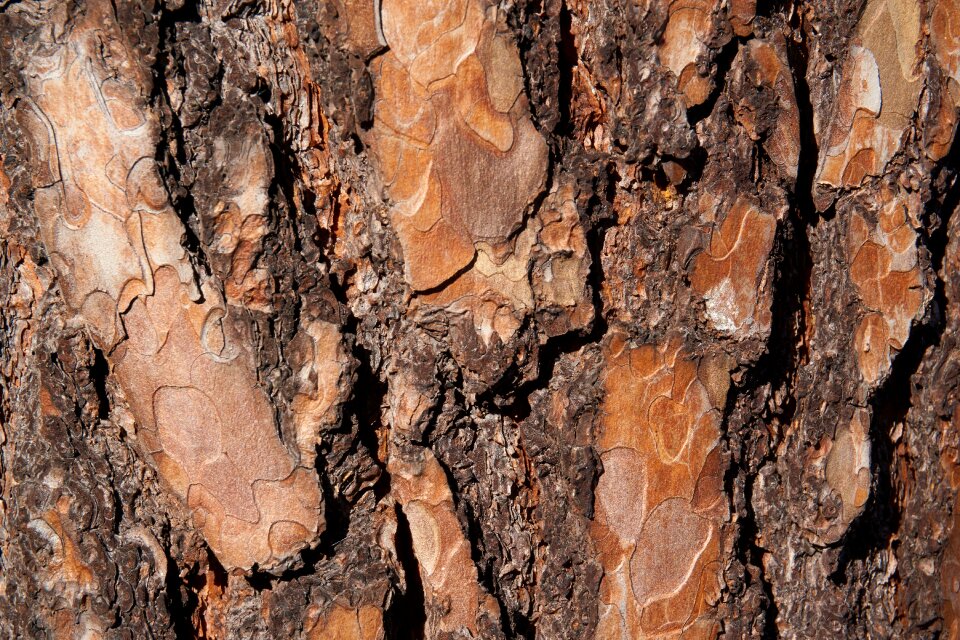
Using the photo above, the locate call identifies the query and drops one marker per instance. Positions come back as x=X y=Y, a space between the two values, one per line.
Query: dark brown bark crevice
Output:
x=98 y=373
x=753 y=444
x=406 y=618
x=176 y=27
x=567 y=59
x=798 y=55
x=720 y=69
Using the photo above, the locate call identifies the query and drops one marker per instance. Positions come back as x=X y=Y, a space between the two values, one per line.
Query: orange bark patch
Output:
x=459 y=157
x=362 y=25
x=742 y=13
x=319 y=359
x=945 y=38
x=685 y=40
x=847 y=471
x=660 y=504
x=67 y=575
x=454 y=597
x=878 y=95
x=885 y=271
x=341 y=622
x=771 y=70
x=560 y=282
x=240 y=220
x=945 y=42
x=728 y=273
x=184 y=364
x=457 y=151
x=939 y=132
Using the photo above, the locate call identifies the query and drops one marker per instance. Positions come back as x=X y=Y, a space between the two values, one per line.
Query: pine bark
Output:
x=449 y=319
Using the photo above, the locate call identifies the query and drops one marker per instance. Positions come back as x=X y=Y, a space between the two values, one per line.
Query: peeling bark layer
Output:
x=449 y=319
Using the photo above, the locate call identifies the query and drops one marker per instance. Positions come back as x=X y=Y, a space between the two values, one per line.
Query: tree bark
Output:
x=448 y=319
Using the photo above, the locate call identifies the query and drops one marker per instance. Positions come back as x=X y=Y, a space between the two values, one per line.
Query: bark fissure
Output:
x=407 y=616
x=98 y=373
x=892 y=401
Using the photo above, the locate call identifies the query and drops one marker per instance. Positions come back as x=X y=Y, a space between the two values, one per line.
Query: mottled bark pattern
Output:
x=454 y=318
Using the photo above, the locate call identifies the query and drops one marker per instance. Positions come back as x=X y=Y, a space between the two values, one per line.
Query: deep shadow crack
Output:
x=406 y=618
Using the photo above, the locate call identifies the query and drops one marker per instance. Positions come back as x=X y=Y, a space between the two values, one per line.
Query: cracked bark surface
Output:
x=451 y=319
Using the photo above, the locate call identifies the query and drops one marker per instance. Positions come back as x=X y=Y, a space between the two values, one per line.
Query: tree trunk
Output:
x=442 y=319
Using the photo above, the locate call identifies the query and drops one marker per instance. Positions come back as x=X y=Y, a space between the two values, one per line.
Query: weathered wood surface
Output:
x=437 y=319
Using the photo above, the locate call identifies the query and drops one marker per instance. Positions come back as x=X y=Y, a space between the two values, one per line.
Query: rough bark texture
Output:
x=445 y=318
